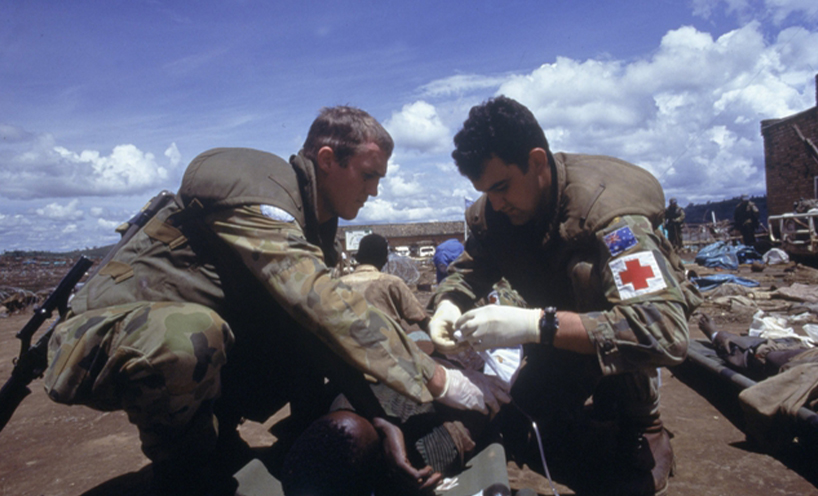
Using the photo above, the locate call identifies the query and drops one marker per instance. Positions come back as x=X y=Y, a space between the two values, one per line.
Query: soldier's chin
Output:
x=349 y=215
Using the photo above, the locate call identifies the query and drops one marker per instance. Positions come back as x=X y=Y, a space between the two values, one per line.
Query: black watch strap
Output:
x=549 y=323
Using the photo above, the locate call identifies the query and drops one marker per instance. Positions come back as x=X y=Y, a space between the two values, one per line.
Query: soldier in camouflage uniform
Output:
x=674 y=220
x=578 y=236
x=745 y=219
x=222 y=308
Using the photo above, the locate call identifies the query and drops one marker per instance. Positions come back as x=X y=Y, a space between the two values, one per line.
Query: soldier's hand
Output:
x=394 y=448
x=441 y=328
x=471 y=390
x=498 y=326
x=495 y=390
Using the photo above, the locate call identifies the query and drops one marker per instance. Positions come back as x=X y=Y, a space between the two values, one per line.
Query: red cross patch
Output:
x=637 y=274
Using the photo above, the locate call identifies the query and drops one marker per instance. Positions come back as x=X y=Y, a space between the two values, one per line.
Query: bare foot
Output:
x=707 y=326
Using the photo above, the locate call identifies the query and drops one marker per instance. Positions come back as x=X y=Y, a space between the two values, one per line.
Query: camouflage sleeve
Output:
x=294 y=272
x=646 y=325
x=470 y=277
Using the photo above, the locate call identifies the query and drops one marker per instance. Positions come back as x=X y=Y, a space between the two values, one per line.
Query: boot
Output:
x=647 y=460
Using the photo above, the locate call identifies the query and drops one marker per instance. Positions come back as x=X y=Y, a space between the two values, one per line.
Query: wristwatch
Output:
x=549 y=323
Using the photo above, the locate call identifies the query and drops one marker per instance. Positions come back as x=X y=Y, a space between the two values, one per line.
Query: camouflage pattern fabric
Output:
x=158 y=361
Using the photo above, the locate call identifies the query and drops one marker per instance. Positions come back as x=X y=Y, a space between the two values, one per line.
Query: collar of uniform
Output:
x=322 y=235
x=549 y=225
x=305 y=170
x=366 y=268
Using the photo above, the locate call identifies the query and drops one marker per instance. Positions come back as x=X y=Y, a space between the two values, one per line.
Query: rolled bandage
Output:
x=458 y=335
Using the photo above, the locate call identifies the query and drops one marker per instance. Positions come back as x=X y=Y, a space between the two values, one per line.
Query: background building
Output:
x=791 y=169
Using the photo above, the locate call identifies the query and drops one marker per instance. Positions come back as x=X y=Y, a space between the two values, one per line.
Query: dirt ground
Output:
x=50 y=449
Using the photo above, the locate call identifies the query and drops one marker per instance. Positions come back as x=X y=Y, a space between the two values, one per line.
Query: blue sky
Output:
x=103 y=104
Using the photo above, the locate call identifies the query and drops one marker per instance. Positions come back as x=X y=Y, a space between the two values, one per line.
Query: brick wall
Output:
x=790 y=172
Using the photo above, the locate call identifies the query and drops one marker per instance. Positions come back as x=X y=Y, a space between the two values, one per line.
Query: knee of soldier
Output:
x=186 y=343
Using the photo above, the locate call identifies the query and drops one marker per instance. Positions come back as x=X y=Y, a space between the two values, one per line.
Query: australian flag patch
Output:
x=620 y=240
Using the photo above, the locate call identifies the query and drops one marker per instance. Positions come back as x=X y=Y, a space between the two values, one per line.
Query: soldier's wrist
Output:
x=437 y=384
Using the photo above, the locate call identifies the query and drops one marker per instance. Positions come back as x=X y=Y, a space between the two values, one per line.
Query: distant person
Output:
x=674 y=220
x=745 y=219
x=386 y=291
x=222 y=308
x=446 y=253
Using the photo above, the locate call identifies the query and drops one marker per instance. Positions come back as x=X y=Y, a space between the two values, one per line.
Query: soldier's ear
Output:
x=538 y=159
x=325 y=158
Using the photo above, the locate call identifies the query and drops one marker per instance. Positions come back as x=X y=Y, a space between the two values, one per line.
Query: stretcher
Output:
x=702 y=355
x=486 y=470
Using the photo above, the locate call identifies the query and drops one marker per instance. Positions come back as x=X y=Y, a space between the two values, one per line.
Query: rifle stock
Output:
x=33 y=360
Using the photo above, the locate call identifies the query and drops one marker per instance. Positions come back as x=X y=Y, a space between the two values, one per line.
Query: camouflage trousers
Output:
x=160 y=362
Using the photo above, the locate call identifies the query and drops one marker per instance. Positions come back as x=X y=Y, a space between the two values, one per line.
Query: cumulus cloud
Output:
x=173 y=155
x=125 y=169
x=108 y=225
x=35 y=166
x=61 y=212
x=690 y=112
x=381 y=210
x=418 y=127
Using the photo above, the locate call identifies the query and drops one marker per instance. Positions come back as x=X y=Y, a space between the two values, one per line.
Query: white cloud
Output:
x=381 y=210
x=399 y=185
x=34 y=166
x=418 y=127
x=689 y=113
x=108 y=225
x=61 y=212
x=173 y=155
x=126 y=168
x=461 y=83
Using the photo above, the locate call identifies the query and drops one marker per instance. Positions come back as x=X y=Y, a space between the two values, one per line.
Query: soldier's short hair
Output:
x=500 y=126
x=345 y=129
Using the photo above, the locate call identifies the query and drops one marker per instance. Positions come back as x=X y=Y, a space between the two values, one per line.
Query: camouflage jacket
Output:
x=598 y=253
x=243 y=239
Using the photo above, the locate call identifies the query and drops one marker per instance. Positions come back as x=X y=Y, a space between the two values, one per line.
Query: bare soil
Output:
x=54 y=450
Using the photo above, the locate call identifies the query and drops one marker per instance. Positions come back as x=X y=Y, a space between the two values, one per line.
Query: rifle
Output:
x=33 y=360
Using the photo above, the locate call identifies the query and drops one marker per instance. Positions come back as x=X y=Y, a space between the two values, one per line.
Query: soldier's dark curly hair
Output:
x=500 y=126
x=345 y=129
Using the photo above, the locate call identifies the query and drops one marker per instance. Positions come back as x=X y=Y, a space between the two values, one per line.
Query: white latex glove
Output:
x=471 y=390
x=499 y=326
x=495 y=390
x=441 y=328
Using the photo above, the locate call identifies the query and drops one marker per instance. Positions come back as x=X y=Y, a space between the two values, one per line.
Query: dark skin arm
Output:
x=425 y=479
